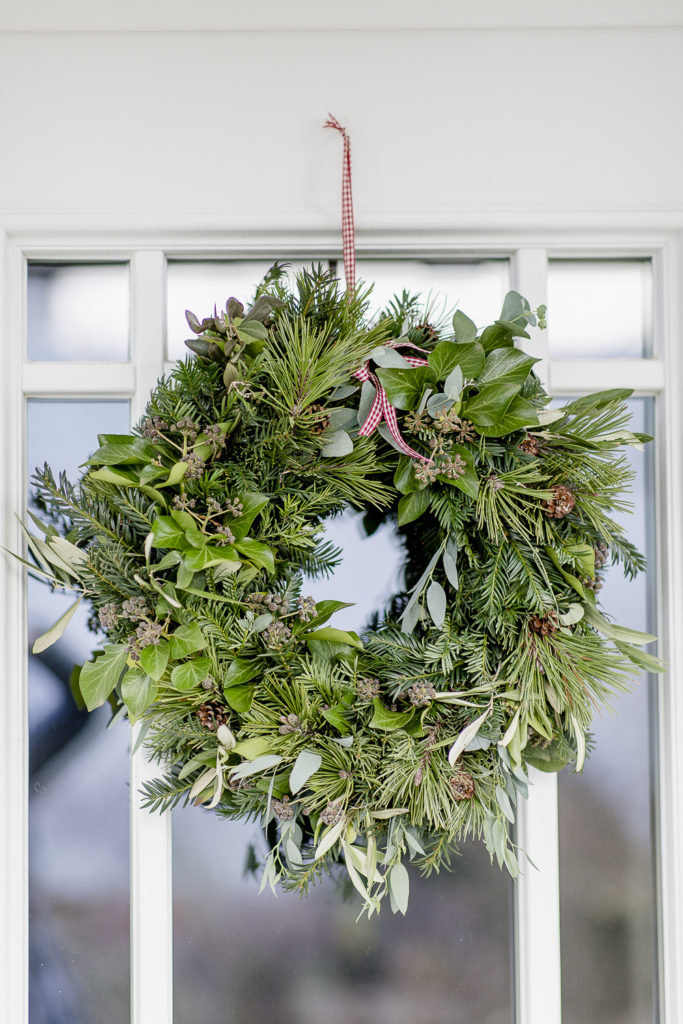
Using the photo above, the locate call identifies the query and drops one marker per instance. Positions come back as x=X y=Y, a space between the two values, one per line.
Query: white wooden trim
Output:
x=151 y=918
x=538 y=987
x=14 y=717
x=78 y=380
x=581 y=376
x=669 y=471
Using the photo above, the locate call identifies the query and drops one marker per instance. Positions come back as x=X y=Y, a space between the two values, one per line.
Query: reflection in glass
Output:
x=78 y=311
x=78 y=808
x=599 y=309
x=607 y=855
x=478 y=288
x=247 y=957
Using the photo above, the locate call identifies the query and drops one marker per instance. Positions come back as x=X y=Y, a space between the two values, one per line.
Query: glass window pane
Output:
x=78 y=807
x=477 y=287
x=607 y=853
x=599 y=309
x=78 y=311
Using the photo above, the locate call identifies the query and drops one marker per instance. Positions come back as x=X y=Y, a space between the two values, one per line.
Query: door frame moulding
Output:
x=147 y=249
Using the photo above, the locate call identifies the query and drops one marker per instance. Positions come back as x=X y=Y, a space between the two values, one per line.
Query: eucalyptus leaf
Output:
x=399 y=887
x=306 y=764
x=436 y=603
x=337 y=445
x=52 y=635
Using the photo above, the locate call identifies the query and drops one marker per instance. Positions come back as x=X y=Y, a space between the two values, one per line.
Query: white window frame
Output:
x=537 y=932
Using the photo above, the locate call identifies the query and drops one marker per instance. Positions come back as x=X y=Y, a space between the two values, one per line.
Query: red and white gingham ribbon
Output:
x=381 y=409
x=348 y=231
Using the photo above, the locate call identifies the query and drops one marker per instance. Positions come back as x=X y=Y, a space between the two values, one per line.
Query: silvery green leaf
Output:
x=572 y=615
x=52 y=635
x=329 y=837
x=439 y=403
x=499 y=836
x=467 y=735
x=344 y=391
x=511 y=729
x=342 y=418
x=343 y=741
x=546 y=416
x=436 y=603
x=367 y=397
x=260 y=622
x=453 y=383
x=478 y=743
x=410 y=618
x=259 y=764
x=306 y=764
x=423 y=401
x=399 y=887
x=338 y=445
x=511 y=862
x=464 y=329
x=412 y=841
x=580 y=743
x=503 y=801
x=383 y=429
x=450 y=568
x=293 y=853
x=385 y=356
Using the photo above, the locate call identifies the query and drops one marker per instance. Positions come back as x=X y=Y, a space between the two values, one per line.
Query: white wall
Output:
x=448 y=126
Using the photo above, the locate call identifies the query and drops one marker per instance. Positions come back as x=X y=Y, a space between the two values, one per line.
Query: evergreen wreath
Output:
x=189 y=538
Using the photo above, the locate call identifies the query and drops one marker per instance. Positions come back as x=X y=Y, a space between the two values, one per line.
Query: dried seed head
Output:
x=282 y=809
x=421 y=693
x=333 y=813
x=367 y=688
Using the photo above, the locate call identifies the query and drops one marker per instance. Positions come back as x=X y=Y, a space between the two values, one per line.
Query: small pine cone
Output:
x=529 y=445
x=282 y=809
x=561 y=503
x=367 y=689
x=211 y=714
x=421 y=693
x=462 y=785
x=545 y=625
x=601 y=555
x=426 y=472
x=322 y=418
x=332 y=814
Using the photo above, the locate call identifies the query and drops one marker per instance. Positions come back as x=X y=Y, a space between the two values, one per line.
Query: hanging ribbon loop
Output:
x=381 y=409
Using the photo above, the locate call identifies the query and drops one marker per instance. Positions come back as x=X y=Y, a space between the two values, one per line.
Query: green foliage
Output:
x=189 y=537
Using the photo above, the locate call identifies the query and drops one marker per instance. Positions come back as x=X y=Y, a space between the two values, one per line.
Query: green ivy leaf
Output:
x=240 y=698
x=241 y=671
x=138 y=691
x=186 y=640
x=190 y=673
x=506 y=366
x=404 y=477
x=448 y=354
x=389 y=720
x=116 y=453
x=99 y=676
x=518 y=414
x=488 y=407
x=154 y=659
x=252 y=504
x=257 y=553
x=412 y=506
x=404 y=387
x=335 y=716
x=168 y=534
